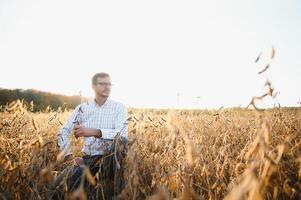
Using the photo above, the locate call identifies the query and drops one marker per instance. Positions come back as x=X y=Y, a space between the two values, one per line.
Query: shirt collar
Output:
x=105 y=103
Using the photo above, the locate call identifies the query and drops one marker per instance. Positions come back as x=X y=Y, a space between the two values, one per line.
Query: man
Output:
x=98 y=121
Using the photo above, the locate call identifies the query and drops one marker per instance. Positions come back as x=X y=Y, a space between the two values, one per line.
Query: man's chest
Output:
x=99 y=118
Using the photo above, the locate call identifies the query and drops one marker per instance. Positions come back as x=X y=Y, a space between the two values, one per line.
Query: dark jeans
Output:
x=111 y=174
x=75 y=177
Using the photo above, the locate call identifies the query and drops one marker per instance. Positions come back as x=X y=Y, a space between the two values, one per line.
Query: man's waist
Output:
x=96 y=151
x=87 y=156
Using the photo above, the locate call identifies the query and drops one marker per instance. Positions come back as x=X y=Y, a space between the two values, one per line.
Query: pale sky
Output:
x=154 y=50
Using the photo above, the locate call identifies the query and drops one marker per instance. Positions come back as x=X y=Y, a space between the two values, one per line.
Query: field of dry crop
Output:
x=173 y=154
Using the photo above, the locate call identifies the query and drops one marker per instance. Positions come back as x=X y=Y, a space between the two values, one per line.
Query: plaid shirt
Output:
x=110 y=118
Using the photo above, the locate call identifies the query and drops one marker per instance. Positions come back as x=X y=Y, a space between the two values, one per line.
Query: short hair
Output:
x=98 y=75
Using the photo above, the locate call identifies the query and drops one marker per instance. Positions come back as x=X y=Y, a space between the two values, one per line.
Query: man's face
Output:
x=103 y=86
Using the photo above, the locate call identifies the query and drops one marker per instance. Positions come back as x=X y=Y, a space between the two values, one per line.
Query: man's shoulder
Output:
x=84 y=105
x=117 y=104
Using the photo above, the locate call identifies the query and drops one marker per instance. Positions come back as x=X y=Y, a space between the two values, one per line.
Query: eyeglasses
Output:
x=104 y=84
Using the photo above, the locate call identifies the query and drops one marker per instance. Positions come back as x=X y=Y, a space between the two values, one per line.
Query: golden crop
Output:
x=173 y=154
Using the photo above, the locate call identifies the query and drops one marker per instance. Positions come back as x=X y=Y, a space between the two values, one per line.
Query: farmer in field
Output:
x=99 y=121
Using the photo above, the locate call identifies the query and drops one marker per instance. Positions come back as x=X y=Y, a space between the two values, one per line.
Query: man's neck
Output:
x=100 y=100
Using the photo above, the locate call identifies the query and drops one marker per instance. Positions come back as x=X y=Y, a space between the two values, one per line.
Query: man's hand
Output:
x=78 y=161
x=81 y=131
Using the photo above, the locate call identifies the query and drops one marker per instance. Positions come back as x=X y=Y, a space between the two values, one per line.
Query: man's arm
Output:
x=109 y=134
x=120 y=125
x=65 y=130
